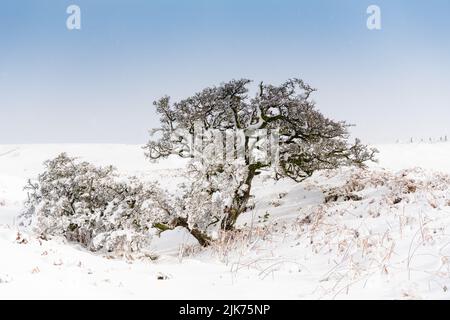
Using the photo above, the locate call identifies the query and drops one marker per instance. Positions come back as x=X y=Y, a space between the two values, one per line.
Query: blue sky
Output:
x=97 y=84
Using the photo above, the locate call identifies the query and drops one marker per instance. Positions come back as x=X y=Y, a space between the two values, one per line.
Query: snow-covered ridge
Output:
x=381 y=233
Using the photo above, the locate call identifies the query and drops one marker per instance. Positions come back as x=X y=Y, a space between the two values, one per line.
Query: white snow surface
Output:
x=392 y=243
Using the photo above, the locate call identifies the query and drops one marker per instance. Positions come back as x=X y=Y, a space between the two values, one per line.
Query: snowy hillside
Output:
x=381 y=233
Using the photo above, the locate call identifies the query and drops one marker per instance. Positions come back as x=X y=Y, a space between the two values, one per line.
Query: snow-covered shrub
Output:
x=94 y=206
x=101 y=210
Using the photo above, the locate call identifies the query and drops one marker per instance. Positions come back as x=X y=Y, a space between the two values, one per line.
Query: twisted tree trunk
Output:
x=241 y=197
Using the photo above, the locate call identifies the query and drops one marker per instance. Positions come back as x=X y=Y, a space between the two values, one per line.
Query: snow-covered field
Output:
x=383 y=233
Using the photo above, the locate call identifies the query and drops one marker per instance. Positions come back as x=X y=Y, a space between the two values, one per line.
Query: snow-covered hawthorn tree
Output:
x=307 y=141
